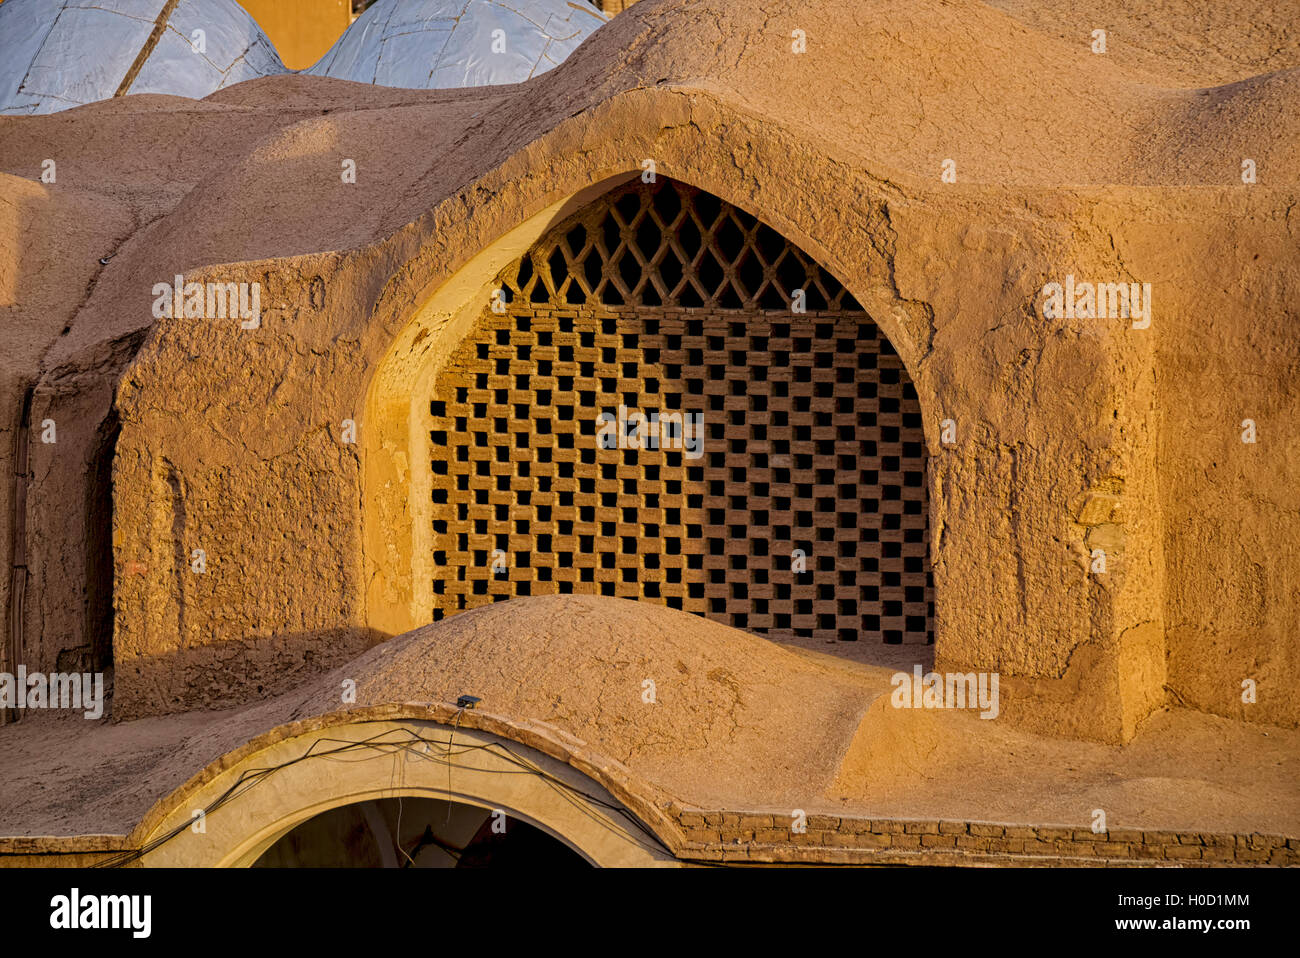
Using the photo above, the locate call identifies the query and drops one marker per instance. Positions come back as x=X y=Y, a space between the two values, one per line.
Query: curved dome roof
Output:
x=437 y=44
x=57 y=54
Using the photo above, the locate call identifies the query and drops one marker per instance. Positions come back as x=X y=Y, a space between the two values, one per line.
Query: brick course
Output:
x=752 y=837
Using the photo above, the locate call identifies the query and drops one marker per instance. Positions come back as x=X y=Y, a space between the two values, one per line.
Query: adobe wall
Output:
x=282 y=590
x=1228 y=351
x=43 y=486
x=239 y=457
x=232 y=438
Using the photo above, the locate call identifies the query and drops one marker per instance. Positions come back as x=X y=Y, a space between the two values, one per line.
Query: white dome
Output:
x=437 y=44
x=56 y=54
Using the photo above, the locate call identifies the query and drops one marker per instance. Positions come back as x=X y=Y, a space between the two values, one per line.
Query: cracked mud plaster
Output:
x=950 y=272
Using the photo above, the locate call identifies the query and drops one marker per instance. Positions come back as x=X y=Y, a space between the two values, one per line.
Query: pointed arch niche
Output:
x=792 y=499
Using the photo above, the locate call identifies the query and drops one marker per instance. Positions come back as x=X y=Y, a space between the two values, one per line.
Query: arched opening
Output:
x=668 y=401
x=445 y=769
x=417 y=833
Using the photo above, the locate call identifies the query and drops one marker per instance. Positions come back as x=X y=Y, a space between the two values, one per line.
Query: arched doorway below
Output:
x=417 y=833
x=247 y=802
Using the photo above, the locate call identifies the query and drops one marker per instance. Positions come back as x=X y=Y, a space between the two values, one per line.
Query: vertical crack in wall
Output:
x=14 y=640
x=165 y=595
x=176 y=496
x=99 y=546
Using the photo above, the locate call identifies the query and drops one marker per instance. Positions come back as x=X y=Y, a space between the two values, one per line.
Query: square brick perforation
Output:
x=812 y=441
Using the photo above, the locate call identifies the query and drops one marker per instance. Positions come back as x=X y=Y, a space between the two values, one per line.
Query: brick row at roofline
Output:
x=759 y=837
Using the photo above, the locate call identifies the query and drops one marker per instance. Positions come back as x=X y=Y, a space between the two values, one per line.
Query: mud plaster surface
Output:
x=1184 y=95
x=738 y=723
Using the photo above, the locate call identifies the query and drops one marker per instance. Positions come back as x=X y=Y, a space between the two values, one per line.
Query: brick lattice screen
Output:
x=811 y=432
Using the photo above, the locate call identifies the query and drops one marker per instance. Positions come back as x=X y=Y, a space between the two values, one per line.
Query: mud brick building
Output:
x=320 y=526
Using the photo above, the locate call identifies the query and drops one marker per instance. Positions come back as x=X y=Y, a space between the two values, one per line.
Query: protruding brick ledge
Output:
x=756 y=837
x=75 y=851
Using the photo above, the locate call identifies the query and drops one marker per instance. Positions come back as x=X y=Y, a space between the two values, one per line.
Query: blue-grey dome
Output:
x=438 y=44
x=56 y=54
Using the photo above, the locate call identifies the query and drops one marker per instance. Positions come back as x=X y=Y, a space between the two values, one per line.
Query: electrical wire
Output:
x=250 y=778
